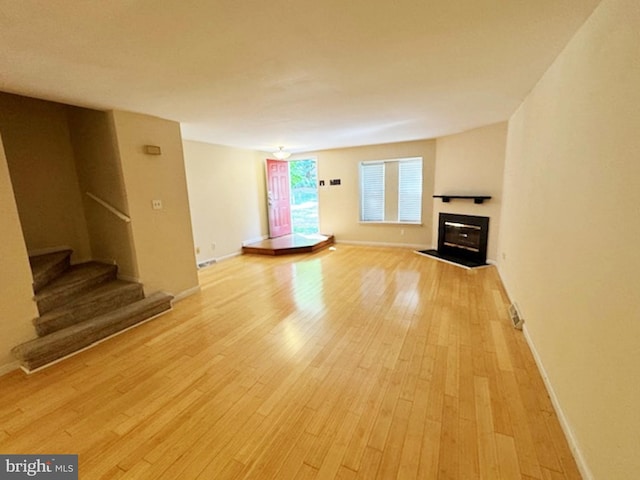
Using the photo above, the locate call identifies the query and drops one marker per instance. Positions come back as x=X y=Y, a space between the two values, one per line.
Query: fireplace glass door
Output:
x=460 y=235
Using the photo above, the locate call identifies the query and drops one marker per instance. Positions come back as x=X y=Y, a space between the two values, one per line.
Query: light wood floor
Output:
x=355 y=363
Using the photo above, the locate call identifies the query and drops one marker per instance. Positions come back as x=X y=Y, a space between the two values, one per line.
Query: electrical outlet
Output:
x=156 y=204
x=213 y=245
x=197 y=250
x=402 y=231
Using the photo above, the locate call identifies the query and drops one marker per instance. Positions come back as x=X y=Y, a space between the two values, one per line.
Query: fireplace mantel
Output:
x=475 y=198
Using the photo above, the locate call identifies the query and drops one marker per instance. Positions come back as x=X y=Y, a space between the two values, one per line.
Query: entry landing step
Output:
x=295 y=243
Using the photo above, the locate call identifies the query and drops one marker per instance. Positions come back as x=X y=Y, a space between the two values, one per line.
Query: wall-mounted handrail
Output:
x=109 y=207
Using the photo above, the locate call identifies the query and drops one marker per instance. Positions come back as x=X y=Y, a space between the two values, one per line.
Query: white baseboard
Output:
x=228 y=256
x=564 y=423
x=504 y=284
x=384 y=244
x=254 y=240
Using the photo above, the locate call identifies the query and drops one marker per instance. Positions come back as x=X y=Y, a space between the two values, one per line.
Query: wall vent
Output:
x=516 y=316
x=207 y=263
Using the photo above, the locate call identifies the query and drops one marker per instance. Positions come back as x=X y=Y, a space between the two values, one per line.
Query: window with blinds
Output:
x=372 y=192
x=391 y=191
x=410 y=190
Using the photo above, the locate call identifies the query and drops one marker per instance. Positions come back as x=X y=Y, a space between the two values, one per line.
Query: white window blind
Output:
x=404 y=181
x=372 y=192
x=410 y=190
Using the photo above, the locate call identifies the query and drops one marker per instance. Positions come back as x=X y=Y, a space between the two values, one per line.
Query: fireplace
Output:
x=462 y=239
x=463 y=236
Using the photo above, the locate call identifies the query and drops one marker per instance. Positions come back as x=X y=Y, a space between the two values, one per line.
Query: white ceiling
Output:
x=305 y=74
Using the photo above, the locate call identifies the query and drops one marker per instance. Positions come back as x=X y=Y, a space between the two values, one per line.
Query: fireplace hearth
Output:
x=462 y=239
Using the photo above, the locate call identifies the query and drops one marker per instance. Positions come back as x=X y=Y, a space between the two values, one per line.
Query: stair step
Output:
x=43 y=350
x=48 y=267
x=104 y=298
x=76 y=281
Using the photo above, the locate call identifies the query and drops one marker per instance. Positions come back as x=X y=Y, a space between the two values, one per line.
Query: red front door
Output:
x=278 y=198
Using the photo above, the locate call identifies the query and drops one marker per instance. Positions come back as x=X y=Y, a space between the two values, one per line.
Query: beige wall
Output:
x=472 y=163
x=340 y=204
x=41 y=162
x=226 y=196
x=162 y=239
x=570 y=230
x=17 y=307
x=99 y=172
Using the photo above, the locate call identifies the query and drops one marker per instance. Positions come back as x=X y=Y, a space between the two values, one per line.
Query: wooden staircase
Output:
x=80 y=305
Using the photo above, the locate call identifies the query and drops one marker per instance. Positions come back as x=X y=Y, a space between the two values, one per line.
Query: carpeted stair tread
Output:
x=47 y=267
x=104 y=298
x=43 y=350
x=77 y=280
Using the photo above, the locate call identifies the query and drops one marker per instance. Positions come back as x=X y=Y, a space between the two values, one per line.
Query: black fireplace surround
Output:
x=462 y=239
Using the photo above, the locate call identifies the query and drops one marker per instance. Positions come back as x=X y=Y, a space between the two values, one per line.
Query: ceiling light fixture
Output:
x=281 y=154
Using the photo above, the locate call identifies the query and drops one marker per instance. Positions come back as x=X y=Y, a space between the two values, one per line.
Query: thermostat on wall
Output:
x=152 y=150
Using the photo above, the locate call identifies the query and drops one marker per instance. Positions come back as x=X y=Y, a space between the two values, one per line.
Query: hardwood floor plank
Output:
x=332 y=460
x=489 y=467
x=507 y=457
x=295 y=458
x=469 y=462
x=523 y=438
x=499 y=411
x=391 y=454
x=306 y=472
x=430 y=450
x=436 y=390
x=411 y=449
x=375 y=396
x=363 y=362
x=345 y=473
x=274 y=449
x=380 y=429
x=449 y=440
x=370 y=463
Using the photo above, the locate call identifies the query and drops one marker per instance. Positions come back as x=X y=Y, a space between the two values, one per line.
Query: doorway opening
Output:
x=303 y=180
x=292 y=197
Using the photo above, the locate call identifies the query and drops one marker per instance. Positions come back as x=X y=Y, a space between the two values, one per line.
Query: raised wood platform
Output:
x=295 y=243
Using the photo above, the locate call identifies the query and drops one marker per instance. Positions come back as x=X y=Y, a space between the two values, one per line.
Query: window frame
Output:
x=385 y=179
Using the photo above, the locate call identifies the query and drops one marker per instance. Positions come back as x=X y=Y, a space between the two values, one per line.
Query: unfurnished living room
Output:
x=467 y=175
